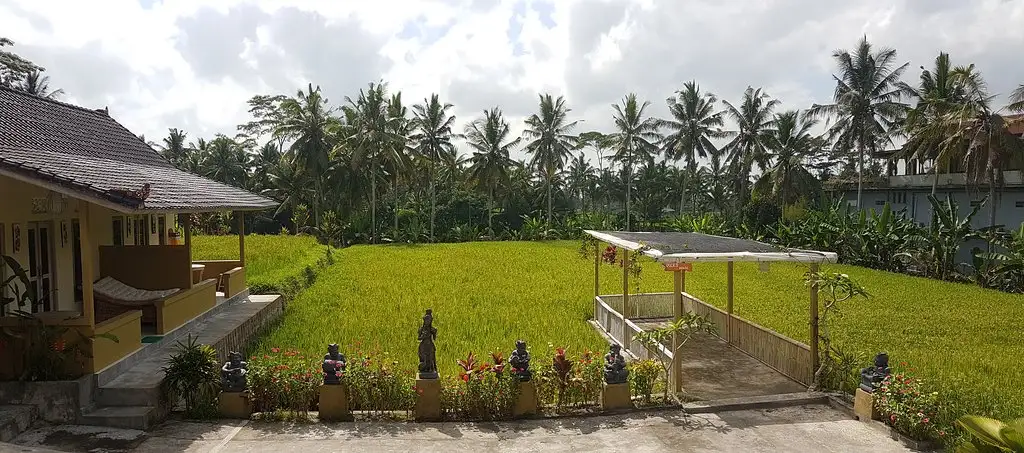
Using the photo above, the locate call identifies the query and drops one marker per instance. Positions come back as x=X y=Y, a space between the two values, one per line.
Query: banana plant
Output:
x=992 y=436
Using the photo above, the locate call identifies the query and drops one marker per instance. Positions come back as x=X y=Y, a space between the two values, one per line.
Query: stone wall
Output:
x=241 y=338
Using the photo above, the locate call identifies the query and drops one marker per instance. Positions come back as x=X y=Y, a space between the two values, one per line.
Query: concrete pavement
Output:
x=812 y=428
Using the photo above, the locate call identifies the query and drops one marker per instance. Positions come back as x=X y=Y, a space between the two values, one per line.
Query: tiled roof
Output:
x=88 y=152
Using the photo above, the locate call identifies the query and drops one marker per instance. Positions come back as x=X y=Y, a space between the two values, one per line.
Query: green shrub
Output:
x=377 y=385
x=192 y=377
x=643 y=375
x=284 y=381
x=569 y=383
x=905 y=406
x=483 y=391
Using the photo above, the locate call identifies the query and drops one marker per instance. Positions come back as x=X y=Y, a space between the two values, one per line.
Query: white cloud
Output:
x=192 y=64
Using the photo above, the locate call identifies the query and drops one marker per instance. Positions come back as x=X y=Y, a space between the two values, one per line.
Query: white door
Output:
x=39 y=238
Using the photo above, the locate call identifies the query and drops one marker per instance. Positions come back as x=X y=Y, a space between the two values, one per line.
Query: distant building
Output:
x=909 y=182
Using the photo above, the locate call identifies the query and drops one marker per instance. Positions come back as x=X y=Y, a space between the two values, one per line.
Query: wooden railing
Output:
x=641 y=306
x=778 y=351
x=611 y=321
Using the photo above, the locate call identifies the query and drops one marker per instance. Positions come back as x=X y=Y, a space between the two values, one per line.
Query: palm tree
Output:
x=790 y=144
x=551 y=138
x=717 y=173
x=866 y=107
x=397 y=157
x=433 y=141
x=263 y=162
x=754 y=120
x=985 y=136
x=226 y=162
x=940 y=91
x=491 y=142
x=1017 y=100
x=634 y=139
x=38 y=84
x=173 y=148
x=693 y=125
x=289 y=185
x=581 y=174
x=309 y=123
x=372 y=138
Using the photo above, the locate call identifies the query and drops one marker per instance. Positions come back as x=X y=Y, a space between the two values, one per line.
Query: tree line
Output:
x=376 y=168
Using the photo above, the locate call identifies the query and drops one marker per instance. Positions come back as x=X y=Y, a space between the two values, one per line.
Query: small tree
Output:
x=835 y=288
x=686 y=327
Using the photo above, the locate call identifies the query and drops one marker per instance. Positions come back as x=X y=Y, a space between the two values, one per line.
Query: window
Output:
x=879 y=202
x=161 y=229
x=1019 y=204
x=141 y=229
x=117 y=230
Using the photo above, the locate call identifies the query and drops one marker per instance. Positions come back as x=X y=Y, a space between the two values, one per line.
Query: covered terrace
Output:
x=743 y=359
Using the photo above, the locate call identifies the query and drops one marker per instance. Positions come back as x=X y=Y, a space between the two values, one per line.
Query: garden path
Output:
x=814 y=428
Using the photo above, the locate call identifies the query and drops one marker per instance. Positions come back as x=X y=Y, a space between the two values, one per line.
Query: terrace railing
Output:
x=785 y=355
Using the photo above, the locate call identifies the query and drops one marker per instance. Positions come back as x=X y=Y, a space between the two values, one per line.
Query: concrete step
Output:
x=126 y=396
x=128 y=417
x=16 y=419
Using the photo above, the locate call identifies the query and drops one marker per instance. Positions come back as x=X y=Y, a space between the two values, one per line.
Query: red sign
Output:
x=678 y=266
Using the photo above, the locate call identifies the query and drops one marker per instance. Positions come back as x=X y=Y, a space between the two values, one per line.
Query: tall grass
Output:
x=270 y=259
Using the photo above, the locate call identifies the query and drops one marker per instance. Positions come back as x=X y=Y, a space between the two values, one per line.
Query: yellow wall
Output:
x=126 y=333
x=16 y=209
x=185 y=305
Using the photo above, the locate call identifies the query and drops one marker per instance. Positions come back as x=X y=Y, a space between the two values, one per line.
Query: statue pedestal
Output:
x=428 y=400
x=334 y=403
x=526 y=404
x=864 y=406
x=235 y=405
x=615 y=396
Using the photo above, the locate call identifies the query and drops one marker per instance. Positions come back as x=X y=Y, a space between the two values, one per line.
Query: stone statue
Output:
x=615 y=371
x=232 y=374
x=871 y=377
x=427 y=351
x=520 y=361
x=334 y=365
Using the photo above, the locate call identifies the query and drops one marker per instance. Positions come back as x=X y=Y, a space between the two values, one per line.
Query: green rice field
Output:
x=271 y=259
x=964 y=341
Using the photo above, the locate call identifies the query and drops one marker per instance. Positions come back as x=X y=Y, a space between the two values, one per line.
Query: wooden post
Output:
x=814 y=324
x=85 y=243
x=728 y=301
x=597 y=269
x=676 y=380
x=188 y=243
x=241 y=237
x=625 y=298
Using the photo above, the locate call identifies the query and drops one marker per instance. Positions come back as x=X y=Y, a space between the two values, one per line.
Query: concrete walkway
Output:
x=794 y=429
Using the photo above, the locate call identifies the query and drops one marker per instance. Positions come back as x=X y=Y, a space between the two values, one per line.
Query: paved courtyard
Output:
x=794 y=429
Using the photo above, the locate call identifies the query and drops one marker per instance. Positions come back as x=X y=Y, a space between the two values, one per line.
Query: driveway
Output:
x=793 y=429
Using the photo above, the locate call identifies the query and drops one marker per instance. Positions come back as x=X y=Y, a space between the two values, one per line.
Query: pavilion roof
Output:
x=690 y=247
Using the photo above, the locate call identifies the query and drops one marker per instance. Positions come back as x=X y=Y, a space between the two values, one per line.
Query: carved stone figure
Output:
x=520 y=361
x=233 y=373
x=615 y=371
x=871 y=377
x=427 y=350
x=334 y=365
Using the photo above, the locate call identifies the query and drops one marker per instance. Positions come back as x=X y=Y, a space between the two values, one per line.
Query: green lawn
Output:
x=960 y=338
x=271 y=259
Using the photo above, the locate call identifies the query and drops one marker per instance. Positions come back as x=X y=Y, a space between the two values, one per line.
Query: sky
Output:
x=192 y=64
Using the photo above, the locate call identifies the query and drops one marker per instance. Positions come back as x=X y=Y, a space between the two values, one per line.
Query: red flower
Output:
x=275 y=350
x=59 y=345
x=465 y=377
x=925 y=420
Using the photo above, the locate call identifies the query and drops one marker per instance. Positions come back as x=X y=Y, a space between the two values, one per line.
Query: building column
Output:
x=676 y=379
x=728 y=301
x=814 y=324
x=186 y=221
x=85 y=243
x=625 y=298
x=241 y=236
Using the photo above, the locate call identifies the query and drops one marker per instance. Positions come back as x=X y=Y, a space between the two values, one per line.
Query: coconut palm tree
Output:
x=173 y=148
x=289 y=185
x=1017 y=100
x=635 y=140
x=717 y=174
x=581 y=175
x=866 y=111
x=693 y=125
x=490 y=138
x=308 y=122
x=433 y=141
x=550 y=140
x=265 y=160
x=38 y=84
x=372 y=139
x=226 y=162
x=789 y=144
x=397 y=158
x=754 y=119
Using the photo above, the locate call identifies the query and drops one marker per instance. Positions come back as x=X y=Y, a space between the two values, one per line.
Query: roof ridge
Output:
x=54 y=101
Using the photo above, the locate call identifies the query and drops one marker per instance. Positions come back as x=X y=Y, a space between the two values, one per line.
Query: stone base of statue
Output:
x=334 y=403
x=526 y=404
x=864 y=406
x=615 y=396
x=428 y=400
x=235 y=405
